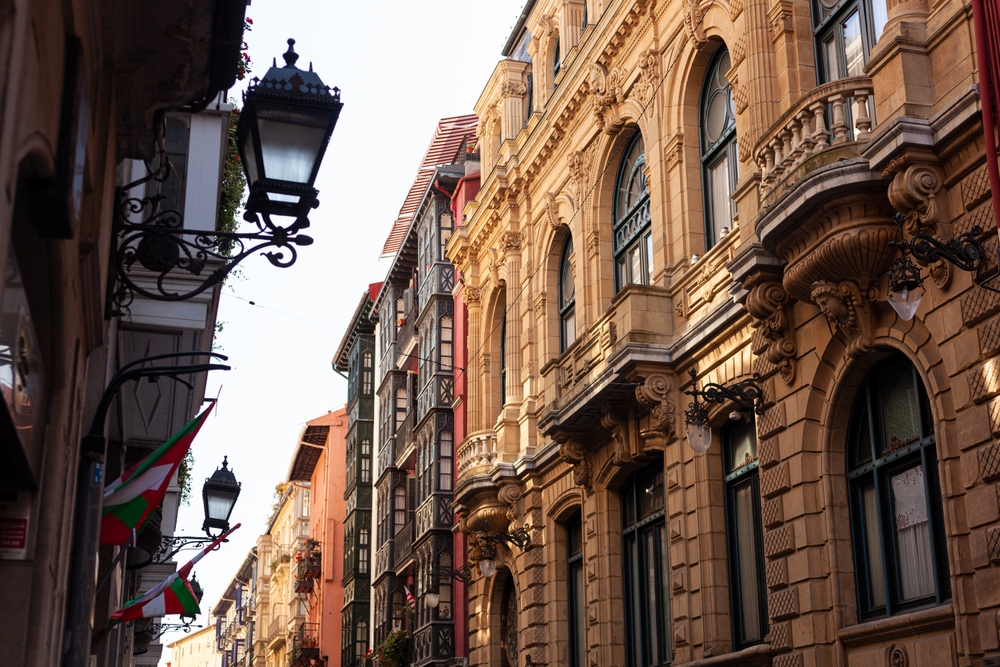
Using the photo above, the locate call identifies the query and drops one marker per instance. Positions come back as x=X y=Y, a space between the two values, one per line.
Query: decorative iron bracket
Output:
x=167 y=627
x=964 y=252
x=489 y=539
x=748 y=394
x=171 y=545
x=154 y=239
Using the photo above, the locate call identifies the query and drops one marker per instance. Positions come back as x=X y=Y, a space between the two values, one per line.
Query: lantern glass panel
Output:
x=220 y=503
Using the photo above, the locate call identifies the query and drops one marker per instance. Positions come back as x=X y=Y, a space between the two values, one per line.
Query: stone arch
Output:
x=491 y=330
x=502 y=585
x=833 y=389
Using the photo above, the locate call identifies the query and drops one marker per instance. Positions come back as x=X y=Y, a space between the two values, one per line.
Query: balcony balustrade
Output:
x=304 y=646
x=276 y=630
x=383 y=559
x=477 y=454
x=801 y=141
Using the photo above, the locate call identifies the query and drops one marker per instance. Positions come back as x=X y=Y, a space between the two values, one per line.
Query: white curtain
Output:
x=913 y=537
x=749 y=563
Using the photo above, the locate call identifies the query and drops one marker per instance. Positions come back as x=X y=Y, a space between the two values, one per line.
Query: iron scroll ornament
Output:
x=748 y=394
x=964 y=252
x=154 y=239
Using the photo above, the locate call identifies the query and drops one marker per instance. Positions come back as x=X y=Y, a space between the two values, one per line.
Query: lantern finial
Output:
x=290 y=56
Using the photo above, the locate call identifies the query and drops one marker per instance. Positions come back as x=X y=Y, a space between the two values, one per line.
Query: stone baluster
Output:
x=765 y=160
x=839 y=124
x=796 y=128
x=808 y=142
x=787 y=161
x=776 y=146
x=820 y=133
x=864 y=120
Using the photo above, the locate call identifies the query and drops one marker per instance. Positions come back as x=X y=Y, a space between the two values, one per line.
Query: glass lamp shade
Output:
x=906 y=301
x=219 y=494
x=284 y=128
x=699 y=437
x=488 y=567
x=432 y=599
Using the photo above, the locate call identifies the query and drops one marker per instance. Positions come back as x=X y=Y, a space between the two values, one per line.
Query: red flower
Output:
x=249 y=20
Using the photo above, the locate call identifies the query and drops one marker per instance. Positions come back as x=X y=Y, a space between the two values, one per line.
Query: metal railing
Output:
x=403 y=545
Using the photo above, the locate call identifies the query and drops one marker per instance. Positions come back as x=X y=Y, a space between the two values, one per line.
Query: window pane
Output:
x=880 y=16
x=900 y=418
x=635 y=270
x=742 y=446
x=749 y=562
x=721 y=213
x=579 y=618
x=569 y=327
x=876 y=576
x=909 y=501
x=831 y=59
x=651 y=488
x=652 y=603
x=649 y=259
x=854 y=52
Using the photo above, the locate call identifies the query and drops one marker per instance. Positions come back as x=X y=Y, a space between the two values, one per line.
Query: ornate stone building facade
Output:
x=669 y=186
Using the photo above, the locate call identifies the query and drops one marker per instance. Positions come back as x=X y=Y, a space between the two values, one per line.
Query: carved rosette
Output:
x=766 y=302
x=513 y=89
x=573 y=450
x=654 y=393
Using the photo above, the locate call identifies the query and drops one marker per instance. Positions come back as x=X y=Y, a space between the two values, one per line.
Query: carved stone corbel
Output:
x=573 y=450
x=693 y=14
x=510 y=494
x=552 y=211
x=607 y=93
x=616 y=420
x=914 y=192
x=766 y=302
x=649 y=74
x=654 y=393
x=847 y=307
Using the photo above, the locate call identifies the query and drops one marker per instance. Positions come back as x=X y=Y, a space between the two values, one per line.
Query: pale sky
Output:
x=401 y=66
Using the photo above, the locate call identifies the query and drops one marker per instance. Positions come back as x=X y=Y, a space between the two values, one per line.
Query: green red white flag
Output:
x=173 y=595
x=130 y=499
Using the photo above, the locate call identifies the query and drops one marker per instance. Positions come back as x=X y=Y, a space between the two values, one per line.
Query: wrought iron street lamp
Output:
x=198 y=593
x=906 y=284
x=748 y=394
x=219 y=493
x=489 y=539
x=282 y=135
x=432 y=597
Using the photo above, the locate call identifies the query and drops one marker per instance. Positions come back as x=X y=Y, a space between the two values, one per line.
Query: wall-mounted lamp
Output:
x=748 y=394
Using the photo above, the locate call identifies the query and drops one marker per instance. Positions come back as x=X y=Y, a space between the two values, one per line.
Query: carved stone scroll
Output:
x=573 y=450
x=616 y=420
x=654 y=393
x=766 y=302
x=607 y=94
x=914 y=191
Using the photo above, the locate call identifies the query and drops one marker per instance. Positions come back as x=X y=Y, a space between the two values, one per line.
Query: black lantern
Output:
x=284 y=128
x=220 y=493
x=198 y=593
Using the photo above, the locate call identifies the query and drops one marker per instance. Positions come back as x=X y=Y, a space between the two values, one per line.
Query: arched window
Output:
x=644 y=560
x=633 y=240
x=567 y=298
x=718 y=149
x=744 y=534
x=556 y=62
x=577 y=599
x=895 y=495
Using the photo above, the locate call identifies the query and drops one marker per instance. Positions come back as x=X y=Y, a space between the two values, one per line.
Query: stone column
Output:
x=511 y=242
x=474 y=379
x=759 y=75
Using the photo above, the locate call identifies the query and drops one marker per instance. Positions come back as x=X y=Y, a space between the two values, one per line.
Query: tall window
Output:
x=401 y=405
x=447 y=337
x=446 y=449
x=744 y=534
x=363 y=551
x=503 y=360
x=845 y=34
x=633 y=240
x=520 y=53
x=399 y=508
x=306 y=502
x=644 y=558
x=720 y=167
x=556 y=62
x=577 y=599
x=366 y=373
x=895 y=495
x=361 y=640
x=567 y=298
x=366 y=461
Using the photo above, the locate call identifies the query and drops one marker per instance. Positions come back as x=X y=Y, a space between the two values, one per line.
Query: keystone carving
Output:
x=579 y=167
x=608 y=93
x=552 y=211
x=654 y=393
x=766 y=303
x=847 y=306
x=573 y=450
x=493 y=267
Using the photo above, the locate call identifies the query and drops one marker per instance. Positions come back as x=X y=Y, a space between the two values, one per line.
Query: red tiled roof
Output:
x=448 y=139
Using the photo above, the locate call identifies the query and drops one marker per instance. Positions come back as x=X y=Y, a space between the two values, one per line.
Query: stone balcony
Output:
x=476 y=457
x=829 y=124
